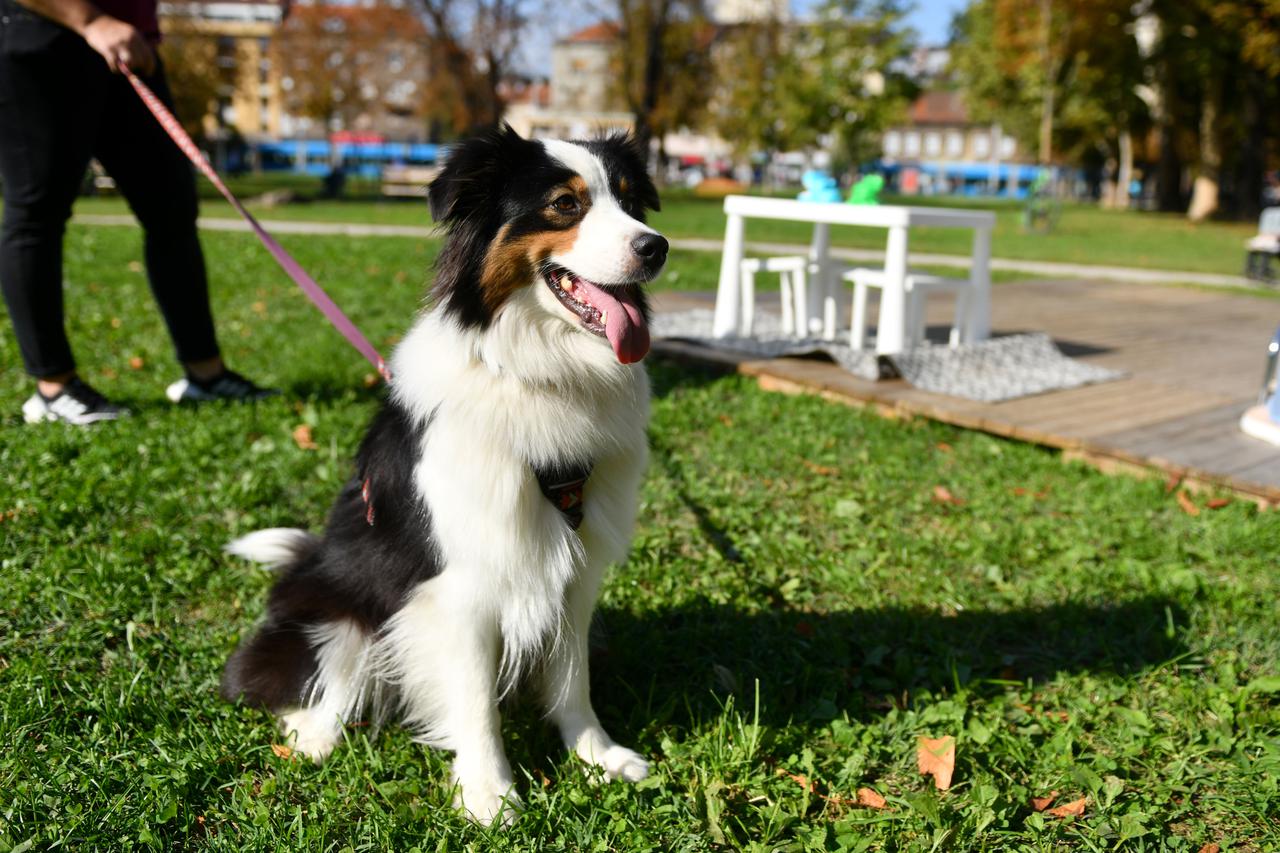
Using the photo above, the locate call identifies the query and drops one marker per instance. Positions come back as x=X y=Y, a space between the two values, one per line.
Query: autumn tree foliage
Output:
x=1072 y=78
x=342 y=64
x=833 y=79
x=471 y=47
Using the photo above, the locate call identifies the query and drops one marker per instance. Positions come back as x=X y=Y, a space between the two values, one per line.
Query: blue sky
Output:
x=932 y=19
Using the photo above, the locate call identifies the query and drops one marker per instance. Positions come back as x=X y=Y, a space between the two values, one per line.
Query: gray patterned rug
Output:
x=989 y=371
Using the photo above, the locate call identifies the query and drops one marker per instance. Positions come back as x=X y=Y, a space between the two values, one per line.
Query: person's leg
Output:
x=155 y=178
x=47 y=102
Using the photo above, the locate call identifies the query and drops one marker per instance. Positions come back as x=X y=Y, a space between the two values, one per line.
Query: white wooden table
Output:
x=898 y=220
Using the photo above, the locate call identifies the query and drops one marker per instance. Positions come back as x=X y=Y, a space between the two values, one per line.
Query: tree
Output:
x=1063 y=78
x=342 y=65
x=664 y=68
x=471 y=47
x=831 y=81
x=191 y=66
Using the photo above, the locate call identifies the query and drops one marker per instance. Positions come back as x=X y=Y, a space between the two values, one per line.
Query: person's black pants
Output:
x=59 y=106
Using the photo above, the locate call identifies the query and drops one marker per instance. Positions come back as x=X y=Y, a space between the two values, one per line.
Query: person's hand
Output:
x=120 y=44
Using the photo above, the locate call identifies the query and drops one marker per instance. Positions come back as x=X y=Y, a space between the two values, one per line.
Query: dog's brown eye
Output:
x=566 y=203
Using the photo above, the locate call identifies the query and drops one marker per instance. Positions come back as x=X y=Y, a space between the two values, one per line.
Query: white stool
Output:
x=917 y=287
x=792 y=273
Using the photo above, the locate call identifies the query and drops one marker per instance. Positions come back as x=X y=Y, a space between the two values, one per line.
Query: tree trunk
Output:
x=1047 y=97
x=1124 y=174
x=1204 y=192
x=1253 y=154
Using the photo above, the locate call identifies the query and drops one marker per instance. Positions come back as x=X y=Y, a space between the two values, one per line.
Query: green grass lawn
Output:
x=1085 y=234
x=797 y=610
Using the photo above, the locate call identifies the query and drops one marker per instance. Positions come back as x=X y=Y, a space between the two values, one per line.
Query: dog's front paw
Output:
x=622 y=763
x=307 y=731
x=487 y=803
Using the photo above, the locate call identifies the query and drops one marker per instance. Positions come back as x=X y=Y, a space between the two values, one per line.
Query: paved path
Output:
x=1050 y=269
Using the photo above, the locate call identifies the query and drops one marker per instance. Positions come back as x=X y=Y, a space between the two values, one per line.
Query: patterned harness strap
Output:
x=563 y=486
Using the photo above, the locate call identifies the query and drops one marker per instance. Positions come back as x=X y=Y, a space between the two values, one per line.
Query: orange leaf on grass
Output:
x=870 y=799
x=944 y=447
x=1172 y=483
x=1218 y=503
x=824 y=470
x=1188 y=506
x=942 y=495
x=302 y=437
x=1210 y=848
x=136 y=362
x=1075 y=808
x=281 y=750
x=936 y=757
x=725 y=419
x=1041 y=803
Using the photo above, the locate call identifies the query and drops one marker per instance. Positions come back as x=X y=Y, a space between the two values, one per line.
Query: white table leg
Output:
x=727 y=293
x=891 y=327
x=819 y=257
x=977 y=325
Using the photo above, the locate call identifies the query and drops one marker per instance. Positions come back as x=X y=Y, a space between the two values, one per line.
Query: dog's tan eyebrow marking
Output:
x=623 y=186
x=515 y=263
x=577 y=185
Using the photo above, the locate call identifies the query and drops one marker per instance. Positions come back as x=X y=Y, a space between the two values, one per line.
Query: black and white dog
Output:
x=494 y=487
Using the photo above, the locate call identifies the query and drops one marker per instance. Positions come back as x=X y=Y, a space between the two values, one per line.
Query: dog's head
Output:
x=556 y=226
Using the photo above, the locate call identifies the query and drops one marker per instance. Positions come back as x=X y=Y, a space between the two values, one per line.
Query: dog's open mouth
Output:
x=613 y=314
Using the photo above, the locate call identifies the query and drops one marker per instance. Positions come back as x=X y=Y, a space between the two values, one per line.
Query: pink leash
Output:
x=313 y=291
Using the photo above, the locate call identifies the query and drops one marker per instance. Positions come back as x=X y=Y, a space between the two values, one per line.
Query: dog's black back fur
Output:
x=395 y=552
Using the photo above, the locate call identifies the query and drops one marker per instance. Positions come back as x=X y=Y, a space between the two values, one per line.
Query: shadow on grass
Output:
x=865 y=661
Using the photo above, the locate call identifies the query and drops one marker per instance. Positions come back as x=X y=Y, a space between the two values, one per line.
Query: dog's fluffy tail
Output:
x=275 y=546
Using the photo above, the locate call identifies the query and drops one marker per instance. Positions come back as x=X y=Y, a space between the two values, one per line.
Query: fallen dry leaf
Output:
x=942 y=495
x=936 y=757
x=1041 y=803
x=944 y=447
x=823 y=470
x=1211 y=848
x=726 y=420
x=1188 y=506
x=800 y=779
x=1075 y=808
x=135 y=266
x=370 y=379
x=136 y=362
x=259 y=308
x=1218 y=503
x=116 y=323
x=281 y=750
x=870 y=799
x=1172 y=483
x=302 y=437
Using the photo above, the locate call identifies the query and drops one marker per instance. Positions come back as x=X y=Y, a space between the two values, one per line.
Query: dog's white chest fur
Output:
x=503 y=544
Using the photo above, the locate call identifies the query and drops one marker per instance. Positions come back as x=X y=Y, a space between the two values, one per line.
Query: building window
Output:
x=955 y=144
x=981 y=144
x=1008 y=147
x=933 y=144
x=912 y=146
x=892 y=143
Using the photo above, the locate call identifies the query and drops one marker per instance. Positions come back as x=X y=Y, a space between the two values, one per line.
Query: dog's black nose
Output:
x=650 y=248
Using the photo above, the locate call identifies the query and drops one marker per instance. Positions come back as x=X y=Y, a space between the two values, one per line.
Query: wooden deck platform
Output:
x=1193 y=361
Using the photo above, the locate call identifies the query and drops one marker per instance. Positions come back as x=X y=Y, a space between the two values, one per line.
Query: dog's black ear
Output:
x=473 y=171
x=626 y=159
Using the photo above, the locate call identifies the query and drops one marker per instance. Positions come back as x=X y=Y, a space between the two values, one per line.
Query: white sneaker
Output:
x=1257 y=423
x=77 y=403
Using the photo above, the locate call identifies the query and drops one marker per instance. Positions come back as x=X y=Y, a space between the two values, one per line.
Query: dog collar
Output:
x=563 y=485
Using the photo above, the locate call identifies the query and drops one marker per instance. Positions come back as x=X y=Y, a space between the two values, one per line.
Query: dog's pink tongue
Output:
x=624 y=326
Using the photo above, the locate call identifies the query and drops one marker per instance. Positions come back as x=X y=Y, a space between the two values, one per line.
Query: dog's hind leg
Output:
x=566 y=690
x=444 y=648
x=335 y=693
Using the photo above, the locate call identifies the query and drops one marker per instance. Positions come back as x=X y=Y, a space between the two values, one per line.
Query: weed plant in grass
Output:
x=797 y=605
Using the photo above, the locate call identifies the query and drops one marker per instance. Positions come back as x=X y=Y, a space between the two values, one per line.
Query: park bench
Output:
x=407 y=181
x=1264 y=246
